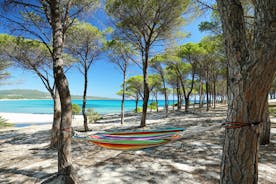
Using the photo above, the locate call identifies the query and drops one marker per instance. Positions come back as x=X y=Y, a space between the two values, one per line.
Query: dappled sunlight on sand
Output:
x=26 y=158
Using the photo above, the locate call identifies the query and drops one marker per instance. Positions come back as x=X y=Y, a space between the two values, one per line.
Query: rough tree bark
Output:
x=188 y=93
x=65 y=168
x=56 y=120
x=266 y=126
x=145 y=57
x=201 y=96
x=179 y=98
x=207 y=95
x=173 y=98
x=165 y=93
x=184 y=93
x=136 y=103
x=215 y=94
x=250 y=74
x=85 y=124
x=187 y=103
x=123 y=97
x=166 y=103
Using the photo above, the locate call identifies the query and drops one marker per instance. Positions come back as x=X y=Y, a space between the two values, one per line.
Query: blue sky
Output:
x=104 y=77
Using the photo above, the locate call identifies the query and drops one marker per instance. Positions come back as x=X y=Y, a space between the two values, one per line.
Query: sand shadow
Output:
x=37 y=175
x=38 y=137
x=172 y=160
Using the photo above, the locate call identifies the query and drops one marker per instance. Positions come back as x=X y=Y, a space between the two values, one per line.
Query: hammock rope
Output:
x=234 y=125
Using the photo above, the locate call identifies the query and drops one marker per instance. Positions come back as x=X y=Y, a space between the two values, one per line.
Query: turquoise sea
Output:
x=46 y=106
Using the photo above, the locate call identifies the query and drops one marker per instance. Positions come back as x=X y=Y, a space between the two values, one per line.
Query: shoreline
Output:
x=47 y=118
x=17 y=118
x=37 y=118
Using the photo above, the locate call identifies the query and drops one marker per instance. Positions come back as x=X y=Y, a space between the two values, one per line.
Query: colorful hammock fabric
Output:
x=134 y=140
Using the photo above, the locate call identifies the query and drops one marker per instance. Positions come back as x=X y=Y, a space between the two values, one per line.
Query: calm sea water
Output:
x=46 y=106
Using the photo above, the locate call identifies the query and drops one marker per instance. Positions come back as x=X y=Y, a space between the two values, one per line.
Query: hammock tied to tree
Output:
x=133 y=140
x=150 y=138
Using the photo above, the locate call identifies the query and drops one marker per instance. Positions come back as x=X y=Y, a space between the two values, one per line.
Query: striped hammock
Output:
x=134 y=140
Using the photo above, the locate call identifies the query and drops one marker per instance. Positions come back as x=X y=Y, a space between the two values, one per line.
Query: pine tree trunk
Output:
x=136 y=104
x=123 y=99
x=85 y=124
x=65 y=169
x=250 y=73
x=145 y=102
x=179 y=102
x=215 y=95
x=56 y=120
x=240 y=156
x=187 y=103
x=186 y=97
x=146 y=88
x=201 y=96
x=165 y=95
x=266 y=126
x=207 y=95
x=173 y=99
x=166 y=103
x=240 y=151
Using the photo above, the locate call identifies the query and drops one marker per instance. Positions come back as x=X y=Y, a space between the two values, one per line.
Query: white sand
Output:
x=272 y=101
x=27 y=118
x=19 y=118
x=25 y=157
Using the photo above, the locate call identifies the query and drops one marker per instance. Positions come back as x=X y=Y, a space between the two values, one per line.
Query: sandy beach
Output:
x=19 y=118
x=26 y=158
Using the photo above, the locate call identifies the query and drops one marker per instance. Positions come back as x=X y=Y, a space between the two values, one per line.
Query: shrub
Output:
x=272 y=110
x=4 y=123
x=75 y=109
x=139 y=109
x=92 y=115
x=153 y=106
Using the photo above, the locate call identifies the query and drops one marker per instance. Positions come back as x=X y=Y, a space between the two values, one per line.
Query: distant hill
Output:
x=36 y=94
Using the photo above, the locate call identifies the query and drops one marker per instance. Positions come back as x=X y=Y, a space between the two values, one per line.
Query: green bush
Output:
x=92 y=115
x=272 y=110
x=153 y=106
x=139 y=109
x=4 y=123
x=75 y=109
